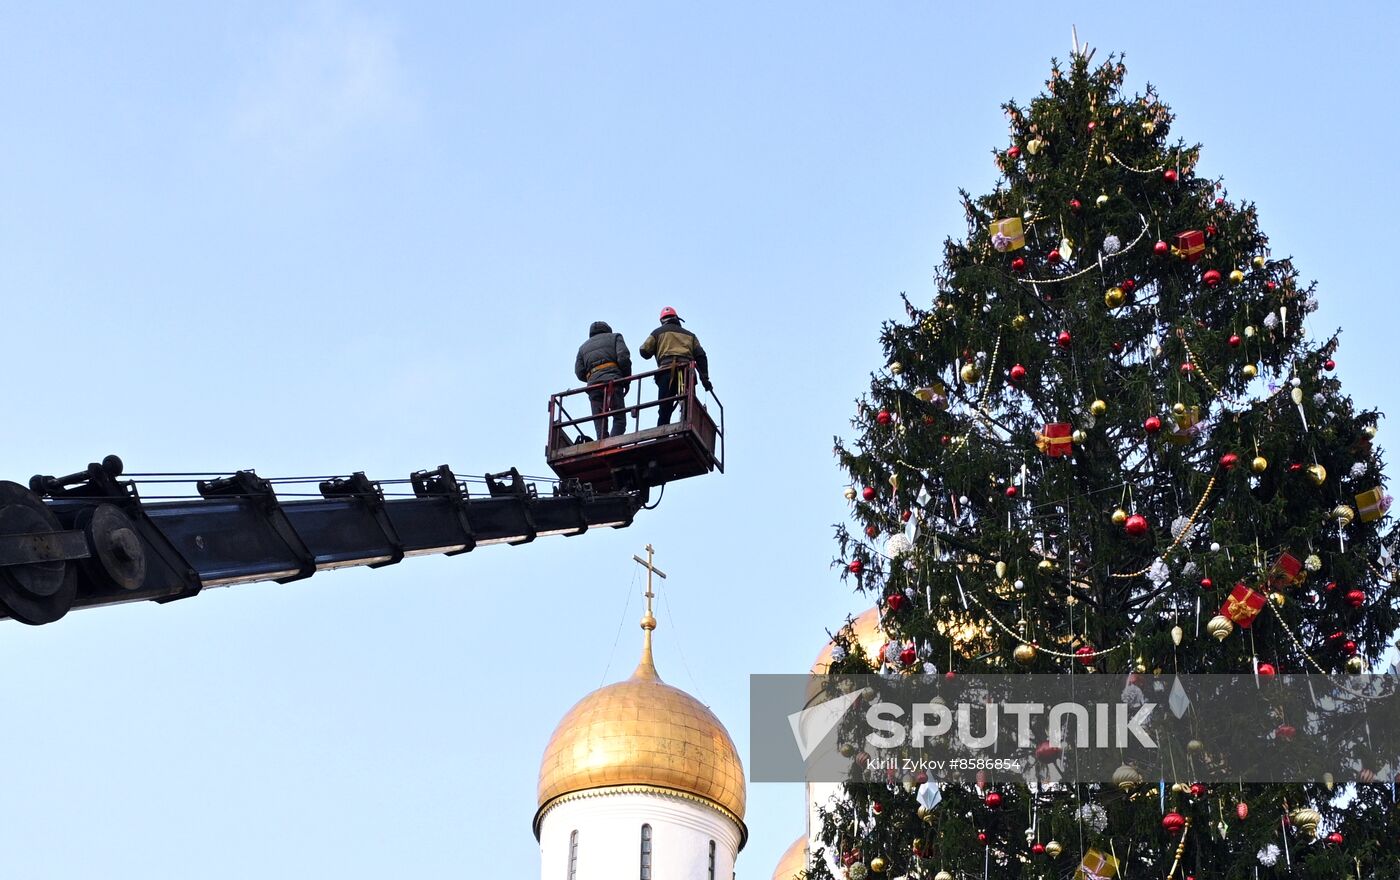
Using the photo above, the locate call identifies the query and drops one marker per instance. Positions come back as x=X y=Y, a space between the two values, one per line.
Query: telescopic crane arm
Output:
x=89 y=538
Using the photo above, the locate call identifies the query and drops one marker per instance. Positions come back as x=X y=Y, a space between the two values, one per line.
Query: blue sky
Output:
x=334 y=236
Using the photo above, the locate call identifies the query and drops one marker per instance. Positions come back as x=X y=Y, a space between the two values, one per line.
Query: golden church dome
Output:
x=793 y=864
x=867 y=633
x=642 y=734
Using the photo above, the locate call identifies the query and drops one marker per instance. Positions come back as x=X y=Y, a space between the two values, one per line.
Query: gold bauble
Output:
x=923 y=813
x=877 y=865
x=1220 y=627
x=1114 y=297
x=896 y=368
x=1278 y=599
x=1312 y=562
x=1249 y=371
x=1046 y=566
x=1236 y=276
x=918 y=844
x=1306 y=819
x=1249 y=331
x=1259 y=262
x=1024 y=654
x=1180 y=788
x=1259 y=465
x=1101 y=200
x=1119 y=516
x=1098 y=407
x=969 y=373
x=1140 y=668
x=1355 y=665
x=1195 y=747
x=1148 y=127
x=1369 y=432
x=1053 y=849
x=1033 y=145
x=1001 y=569
x=942 y=875
x=1317 y=474
x=1019 y=322
x=850 y=493
x=1343 y=514
x=1126 y=778
x=1329 y=780
x=894 y=481
x=1177 y=635
x=1078 y=436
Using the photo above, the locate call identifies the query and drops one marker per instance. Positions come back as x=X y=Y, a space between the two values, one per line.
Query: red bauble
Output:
x=856 y=566
x=1014 y=151
x=921 y=777
x=1211 y=278
x=1018 y=264
x=945 y=439
x=1295 y=467
x=1285 y=732
x=1038 y=848
x=1173 y=822
x=871 y=531
x=1207 y=583
x=1092 y=125
x=1335 y=838
x=1356 y=598
x=884 y=417
x=1152 y=425
x=950 y=675
x=1197 y=789
x=1047 y=752
x=1063 y=340
x=1128 y=285
x=1219 y=202
x=877 y=808
x=993 y=799
x=908 y=656
x=983 y=839
x=1136 y=525
x=1010 y=491
x=1235 y=340
x=895 y=602
x=1229 y=460
x=868 y=493
x=1242 y=810
x=1329 y=364
x=904 y=517
x=1085 y=653
x=1018 y=373
x=1074 y=204
x=1350 y=647
x=1267 y=669
x=1210 y=231
x=1169 y=175
x=1053 y=256
x=1269 y=285
x=1117 y=347
x=928 y=419
x=1188 y=367
x=1161 y=249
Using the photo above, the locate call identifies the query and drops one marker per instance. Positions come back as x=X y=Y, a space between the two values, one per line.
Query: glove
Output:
x=708 y=385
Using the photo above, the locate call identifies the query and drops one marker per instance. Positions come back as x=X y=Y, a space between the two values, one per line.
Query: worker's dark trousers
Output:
x=669 y=384
x=609 y=396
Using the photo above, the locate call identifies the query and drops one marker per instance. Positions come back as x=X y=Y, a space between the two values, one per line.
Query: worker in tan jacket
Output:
x=676 y=347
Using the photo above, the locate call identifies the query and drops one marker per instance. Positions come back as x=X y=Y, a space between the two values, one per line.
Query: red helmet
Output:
x=668 y=312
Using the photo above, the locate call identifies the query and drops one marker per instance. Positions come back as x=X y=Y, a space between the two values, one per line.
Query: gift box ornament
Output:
x=1372 y=504
x=1188 y=426
x=1190 y=245
x=1242 y=605
x=1097 y=865
x=1287 y=572
x=1007 y=234
x=1056 y=441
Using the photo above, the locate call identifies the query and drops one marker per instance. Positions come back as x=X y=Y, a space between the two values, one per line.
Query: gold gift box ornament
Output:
x=1007 y=234
x=1372 y=504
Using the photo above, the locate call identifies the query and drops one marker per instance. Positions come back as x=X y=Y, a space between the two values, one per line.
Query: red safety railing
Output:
x=691 y=415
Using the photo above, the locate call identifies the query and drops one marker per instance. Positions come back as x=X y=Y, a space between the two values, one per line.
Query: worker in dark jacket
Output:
x=604 y=363
x=674 y=346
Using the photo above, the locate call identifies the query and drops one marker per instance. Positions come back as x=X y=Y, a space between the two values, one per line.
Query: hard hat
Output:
x=668 y=312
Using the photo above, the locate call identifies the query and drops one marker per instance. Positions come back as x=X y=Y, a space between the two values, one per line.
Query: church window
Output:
x=573 y=855
x=646 y=852
x=712 y=860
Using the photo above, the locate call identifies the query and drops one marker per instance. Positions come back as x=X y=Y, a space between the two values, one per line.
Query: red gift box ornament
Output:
x=1055 y=441
x=1287 y=572
x=1190 y=245
x=1243 y=605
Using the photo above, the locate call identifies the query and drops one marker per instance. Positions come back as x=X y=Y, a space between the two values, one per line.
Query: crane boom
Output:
x=89 y=539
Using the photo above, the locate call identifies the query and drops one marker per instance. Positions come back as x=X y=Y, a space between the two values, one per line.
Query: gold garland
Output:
x=1087 y=269
x=1185 y=533
x=1025 y=641
x=1215 y=389
x=1115 y=158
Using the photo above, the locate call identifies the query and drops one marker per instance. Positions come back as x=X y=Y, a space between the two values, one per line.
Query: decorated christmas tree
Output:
x=1109 y=444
